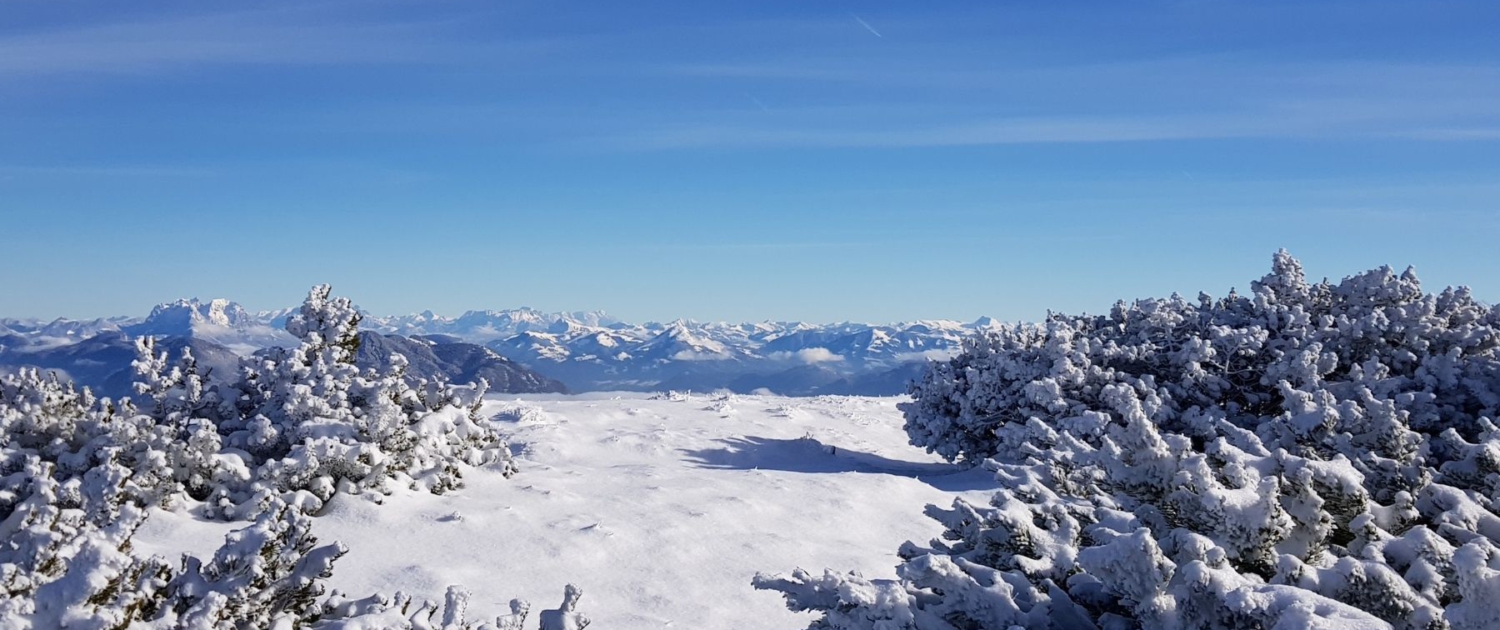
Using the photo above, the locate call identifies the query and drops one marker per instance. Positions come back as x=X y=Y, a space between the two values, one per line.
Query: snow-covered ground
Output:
x=660 y=509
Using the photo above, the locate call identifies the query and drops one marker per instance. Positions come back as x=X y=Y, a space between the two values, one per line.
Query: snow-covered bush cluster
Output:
x=66 y=562
x=303 y=423
x=1306 y=456
x=78 y=476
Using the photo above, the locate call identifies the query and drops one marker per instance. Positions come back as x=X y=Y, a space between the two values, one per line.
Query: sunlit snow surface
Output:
x=660 y=509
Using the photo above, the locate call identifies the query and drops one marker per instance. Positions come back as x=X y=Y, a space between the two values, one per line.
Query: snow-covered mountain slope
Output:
x=589 y=350
x=98 y=353
x=219 y=321
x=740 y=357
x=678 y=342
x=102 y=361
x=444 y=357
x=660 y=509
x=39 y=335
x=486 y=325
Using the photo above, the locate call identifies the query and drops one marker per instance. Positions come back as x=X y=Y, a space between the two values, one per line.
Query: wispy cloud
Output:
x=990 y=102
x=263 y=36
x=927 y=355
x=106 y=170
x=770 y=246
x=808 y=356
x=1456 y=133
x=1045 y=129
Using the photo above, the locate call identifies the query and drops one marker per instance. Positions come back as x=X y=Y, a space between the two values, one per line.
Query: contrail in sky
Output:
x=867 y=26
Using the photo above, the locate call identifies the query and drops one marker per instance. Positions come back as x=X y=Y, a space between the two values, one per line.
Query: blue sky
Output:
x=740 y=161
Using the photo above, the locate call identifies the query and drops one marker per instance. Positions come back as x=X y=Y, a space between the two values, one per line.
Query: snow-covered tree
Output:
x=79 y=474
x=315 y=424
x=1308 y=455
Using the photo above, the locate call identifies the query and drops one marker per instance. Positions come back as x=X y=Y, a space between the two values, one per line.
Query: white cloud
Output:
x=808 y=356
x=928 y=355
x=693 y=355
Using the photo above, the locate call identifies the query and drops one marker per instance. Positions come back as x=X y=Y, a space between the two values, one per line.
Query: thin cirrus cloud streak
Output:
x=1236 y=73
x=1041 y=129
x=867 y=26
x=907 y=242
x=766 y=246
x=1457 y=133
x=1251 y=99
x=1187 y=98
x=108 y=170
x=252 y=37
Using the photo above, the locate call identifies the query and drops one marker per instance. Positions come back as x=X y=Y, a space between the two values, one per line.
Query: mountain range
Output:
x=98 y=353
x=526 y=350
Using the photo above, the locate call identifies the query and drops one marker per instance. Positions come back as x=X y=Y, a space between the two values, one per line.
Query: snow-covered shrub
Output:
x=671 y=395
x=312 y=424
x=66 y=563
x=566 y=616
x=401 y=612
x=64 y=558
x=1306 y=456
x=152 y=462
x=269 y=570
x=78 y=476
x=296 y=425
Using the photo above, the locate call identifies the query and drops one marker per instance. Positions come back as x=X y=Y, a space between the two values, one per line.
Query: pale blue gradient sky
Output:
x=741 y=161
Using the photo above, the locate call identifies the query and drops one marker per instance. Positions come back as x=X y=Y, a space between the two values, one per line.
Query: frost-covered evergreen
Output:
x=296 y=425
x=78 y=476
x=312 y=424
x=69 y=565
x=1310 y=456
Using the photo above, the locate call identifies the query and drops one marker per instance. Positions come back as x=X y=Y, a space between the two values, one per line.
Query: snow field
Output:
x=660 y=509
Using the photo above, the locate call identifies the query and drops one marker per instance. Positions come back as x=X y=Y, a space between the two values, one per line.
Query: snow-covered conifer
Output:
x=79 y=474
x=315 y=424
x=1308 y=455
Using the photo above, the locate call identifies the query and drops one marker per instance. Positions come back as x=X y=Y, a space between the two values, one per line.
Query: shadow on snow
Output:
x=808 y=455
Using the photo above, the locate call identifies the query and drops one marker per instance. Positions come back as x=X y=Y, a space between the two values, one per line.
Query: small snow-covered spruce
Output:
x=1308 y=455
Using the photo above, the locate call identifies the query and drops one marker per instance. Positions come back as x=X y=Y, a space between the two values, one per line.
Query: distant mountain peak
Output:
x=182 y=315
x=219 y=320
